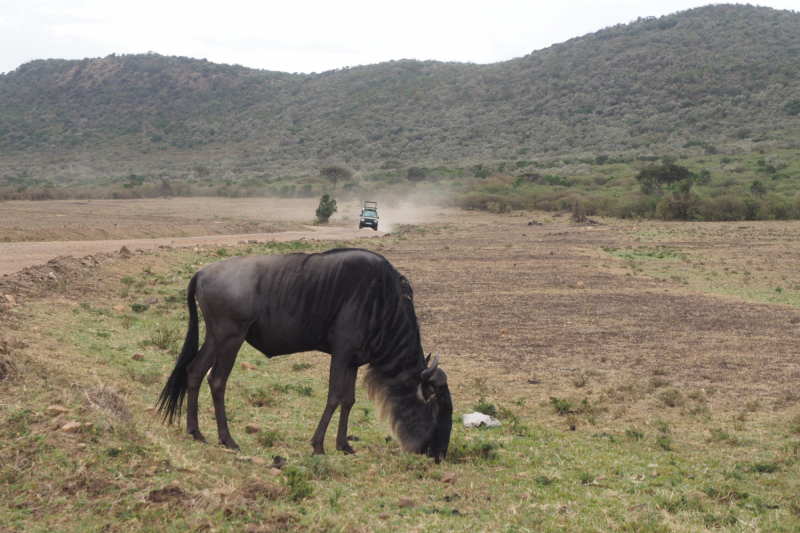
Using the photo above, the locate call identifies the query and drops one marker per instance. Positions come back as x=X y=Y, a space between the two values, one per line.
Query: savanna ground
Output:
x=645 y=374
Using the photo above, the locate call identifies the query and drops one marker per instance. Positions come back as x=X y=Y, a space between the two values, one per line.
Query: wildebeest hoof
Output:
x=348 y=450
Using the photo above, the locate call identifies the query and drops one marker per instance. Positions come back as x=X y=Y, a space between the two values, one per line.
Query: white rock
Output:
x=474 y=420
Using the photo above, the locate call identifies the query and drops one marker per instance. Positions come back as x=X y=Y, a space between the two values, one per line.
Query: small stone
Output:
x=448 y=477
x=406 y=502
x=248 y=366
x=274 y=472
x=71 y=427
x=252 y=241
x=35 y=329
x=51 y=275
x=252 y=428
x=151 y=301
x=153 y=281
x=124 y=251
x=504 y=331
x=118 y=308
x=259 y=461
x=10 y=299
x=137 y=357
x=581 y=285
x=56 y=410
x=552 y=252
x=384 y=516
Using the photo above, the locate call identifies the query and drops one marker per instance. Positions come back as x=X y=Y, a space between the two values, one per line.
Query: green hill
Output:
x=721 y=78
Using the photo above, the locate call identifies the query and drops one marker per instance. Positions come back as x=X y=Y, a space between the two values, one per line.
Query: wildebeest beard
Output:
x=419 y=412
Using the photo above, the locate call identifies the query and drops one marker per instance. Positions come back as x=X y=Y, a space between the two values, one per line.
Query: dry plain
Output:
x=646 y=375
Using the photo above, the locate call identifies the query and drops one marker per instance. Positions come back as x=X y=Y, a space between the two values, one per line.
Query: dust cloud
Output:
x=391 y=214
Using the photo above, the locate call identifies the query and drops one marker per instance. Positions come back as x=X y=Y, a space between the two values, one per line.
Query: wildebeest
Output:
x=352 y=304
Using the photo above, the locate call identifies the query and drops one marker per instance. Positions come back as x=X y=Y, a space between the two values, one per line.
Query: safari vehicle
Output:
x=369 y=216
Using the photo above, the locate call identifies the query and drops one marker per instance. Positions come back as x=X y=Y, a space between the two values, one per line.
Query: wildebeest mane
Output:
x=393 y=381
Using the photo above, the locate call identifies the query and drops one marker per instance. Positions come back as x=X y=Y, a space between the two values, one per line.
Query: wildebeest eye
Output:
x=426 y=392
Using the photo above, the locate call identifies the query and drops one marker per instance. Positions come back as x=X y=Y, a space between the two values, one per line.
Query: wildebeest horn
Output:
x=428 y=373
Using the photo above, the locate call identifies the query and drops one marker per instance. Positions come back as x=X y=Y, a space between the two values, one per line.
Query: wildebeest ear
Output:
x=439 y=378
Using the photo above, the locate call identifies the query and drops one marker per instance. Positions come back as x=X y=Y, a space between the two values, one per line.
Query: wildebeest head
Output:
x=433 y=388
x=418 y=407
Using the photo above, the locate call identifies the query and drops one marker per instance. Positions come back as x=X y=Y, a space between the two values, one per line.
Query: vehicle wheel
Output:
x=375 y=227
x=360 y=226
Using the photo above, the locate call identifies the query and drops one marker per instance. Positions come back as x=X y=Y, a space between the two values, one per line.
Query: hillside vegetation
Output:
x=714 y=80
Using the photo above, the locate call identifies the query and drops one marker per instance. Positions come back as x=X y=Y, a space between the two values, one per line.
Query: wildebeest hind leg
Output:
x=348 y=399
x=195 y=374
x=217 y=381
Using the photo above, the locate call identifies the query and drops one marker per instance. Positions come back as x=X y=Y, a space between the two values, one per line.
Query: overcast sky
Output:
x=310 y=35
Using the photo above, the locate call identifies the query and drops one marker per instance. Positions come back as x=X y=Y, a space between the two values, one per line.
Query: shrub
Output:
x=634 y=434
x=267 y=438
x=486 y=408
x=678 y=207
x=461 y=451
x=561 y=406
x=326 y=209
x=722 y=208
x=296 y=482
x=260 y=398
x=164 y=338
x=480 y=201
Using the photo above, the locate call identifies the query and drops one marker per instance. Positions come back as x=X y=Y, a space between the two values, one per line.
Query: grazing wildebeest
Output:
x=352 y=304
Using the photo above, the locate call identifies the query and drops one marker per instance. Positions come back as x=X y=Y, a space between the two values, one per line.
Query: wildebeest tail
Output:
x=170 y=402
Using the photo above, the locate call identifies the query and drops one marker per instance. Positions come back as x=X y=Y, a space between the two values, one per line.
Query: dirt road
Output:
x=15 y=256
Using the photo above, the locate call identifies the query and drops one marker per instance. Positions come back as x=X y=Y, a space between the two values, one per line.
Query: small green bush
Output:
x=485 y=407
x=327 y=207
x=296 y=482
x=562 y=406
x=267 y=438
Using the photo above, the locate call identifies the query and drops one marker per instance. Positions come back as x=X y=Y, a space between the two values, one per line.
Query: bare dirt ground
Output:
x=561 y=303
x=31 y=233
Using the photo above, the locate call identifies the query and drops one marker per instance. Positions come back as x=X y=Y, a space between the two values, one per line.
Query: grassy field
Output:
x=645 y=375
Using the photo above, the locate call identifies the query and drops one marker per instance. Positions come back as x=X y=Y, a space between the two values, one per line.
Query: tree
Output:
x=653 y=177
x=758 y=188
x=416 y=174
x=335 y=174
x=326 y=209
x=201 y=170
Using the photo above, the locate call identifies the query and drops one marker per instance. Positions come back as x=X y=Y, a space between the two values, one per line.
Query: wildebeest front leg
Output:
x=348 y=399
x=336 y=391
